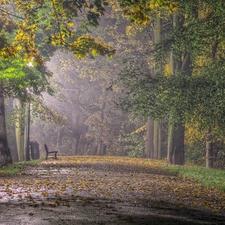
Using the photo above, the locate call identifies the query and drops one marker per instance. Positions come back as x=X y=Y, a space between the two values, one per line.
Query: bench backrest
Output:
x=46 y=148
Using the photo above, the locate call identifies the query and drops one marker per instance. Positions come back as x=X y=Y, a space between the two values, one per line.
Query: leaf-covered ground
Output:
x=106 y=190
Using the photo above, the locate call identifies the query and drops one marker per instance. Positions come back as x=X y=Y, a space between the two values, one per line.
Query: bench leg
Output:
x=46 y=156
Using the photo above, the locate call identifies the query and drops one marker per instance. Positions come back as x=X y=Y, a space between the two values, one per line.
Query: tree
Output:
x=5 y=156
x=172 y=97
x=20 y=20
x=143 y=13
x=11 y=131
x=208 y=16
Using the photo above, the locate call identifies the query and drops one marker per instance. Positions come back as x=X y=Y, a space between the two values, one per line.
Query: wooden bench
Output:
x=52 y=152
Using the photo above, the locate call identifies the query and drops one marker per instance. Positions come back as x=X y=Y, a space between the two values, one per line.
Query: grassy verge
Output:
x=208 y=177
x=15 y=168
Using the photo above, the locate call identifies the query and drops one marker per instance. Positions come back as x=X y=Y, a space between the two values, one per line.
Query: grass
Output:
x=208 y=177
x=15 y=168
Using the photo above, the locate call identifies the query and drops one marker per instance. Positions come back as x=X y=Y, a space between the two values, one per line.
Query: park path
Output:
x=106 y=190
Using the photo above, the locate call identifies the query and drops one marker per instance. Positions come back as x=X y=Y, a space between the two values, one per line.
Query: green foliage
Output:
x=195 y=153
x=12 y=70
x=86 y=44
x=24 y=82
x=56 y=19
x=183 y=98
x=140 y=11
x=15 y=168
x=134 y=145
x=41 y=24
x=180 y=97
x=20 y=22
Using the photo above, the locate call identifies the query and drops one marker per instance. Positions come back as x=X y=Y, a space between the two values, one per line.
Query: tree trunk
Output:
x=28 y=151
x=78 y=127
x=175 y=153
x=87 y=147
x=159 y=152
x=12 y=144
x=94 y=149
x=156 y=139
x=88 y=144
x=209 y=150
x=149 y=139
x=11 y=136
x=59 y=140
x=75 y=135
x=75 y=143
x=101 y=139
x=153 y=149
x=209 y=137
x=5 y=156
x=20 y=130
x=103 y=149
x=157 y=70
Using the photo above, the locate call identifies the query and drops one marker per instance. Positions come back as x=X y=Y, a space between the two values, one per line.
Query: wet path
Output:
x=106 y=191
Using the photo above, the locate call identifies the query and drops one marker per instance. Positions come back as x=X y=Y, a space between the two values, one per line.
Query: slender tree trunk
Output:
x=103 y=149
x=170 y=144
x=209 y=149
x=75 y=143
x=209 y=137
x=20 y=130
x=5 y=156
x=75 y=135
x=156 y=139
x=59 y=139
x=11 y=135
x=12 y=144
x=79 y=128
x=175 y=153
x=27 y=150
x=87 y=147
x=149 y=139
x=153 y=149
x=94 y=149
x=102 y=116
x=157 y=70
x=159 y=152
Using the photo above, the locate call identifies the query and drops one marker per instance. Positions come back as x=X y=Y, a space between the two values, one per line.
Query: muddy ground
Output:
x=106 y=192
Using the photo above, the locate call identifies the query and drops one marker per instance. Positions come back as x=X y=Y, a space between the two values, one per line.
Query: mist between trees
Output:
x=139 y=79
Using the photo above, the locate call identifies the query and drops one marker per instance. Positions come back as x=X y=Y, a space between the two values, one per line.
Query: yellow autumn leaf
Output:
x=45 y=193
x=70 y=24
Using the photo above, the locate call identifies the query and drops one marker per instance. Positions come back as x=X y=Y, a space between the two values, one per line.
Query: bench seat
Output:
x=50 y=152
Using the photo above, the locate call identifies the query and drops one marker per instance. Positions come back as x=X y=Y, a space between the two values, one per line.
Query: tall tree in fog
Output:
x=152 y=15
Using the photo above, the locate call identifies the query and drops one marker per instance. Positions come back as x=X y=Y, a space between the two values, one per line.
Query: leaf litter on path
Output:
x=106 y=190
